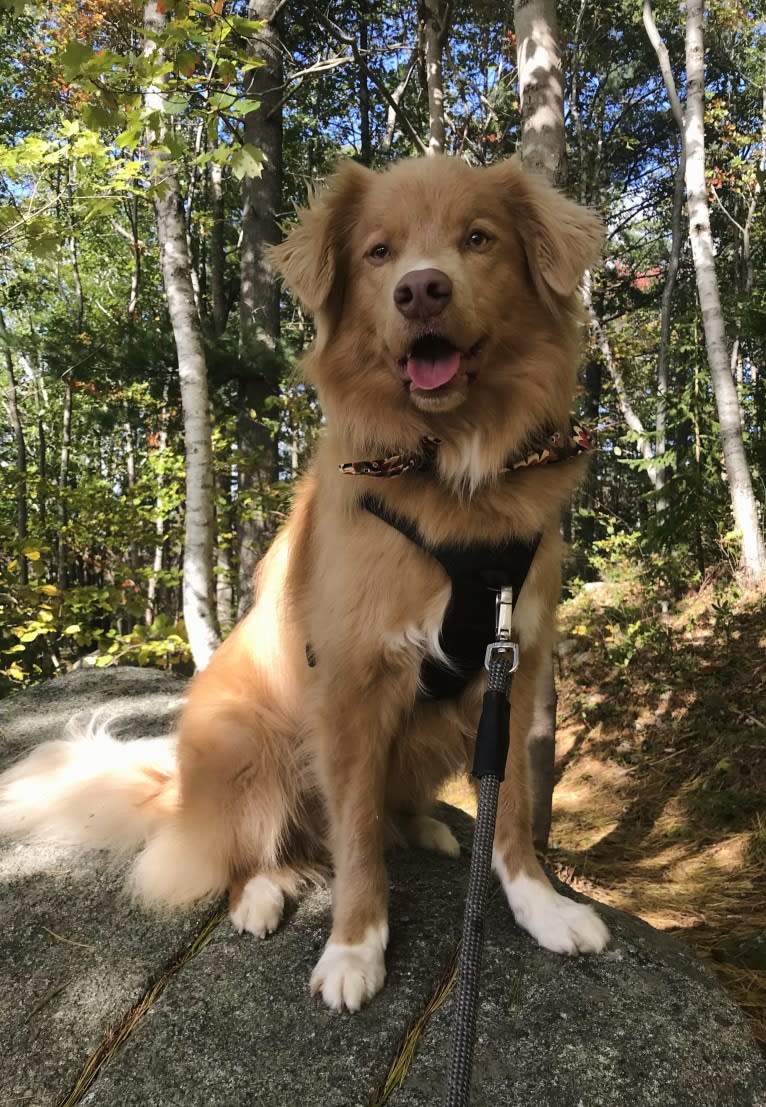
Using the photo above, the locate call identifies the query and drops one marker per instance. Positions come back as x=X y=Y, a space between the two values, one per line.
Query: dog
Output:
x=447 y=328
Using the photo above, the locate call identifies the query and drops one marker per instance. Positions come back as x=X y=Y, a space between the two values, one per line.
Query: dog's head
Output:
x=436 y=286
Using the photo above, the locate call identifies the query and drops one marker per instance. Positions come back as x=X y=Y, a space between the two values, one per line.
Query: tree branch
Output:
x=349 y=40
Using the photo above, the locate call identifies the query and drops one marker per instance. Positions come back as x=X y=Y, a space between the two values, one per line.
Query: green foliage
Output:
x=97 y=572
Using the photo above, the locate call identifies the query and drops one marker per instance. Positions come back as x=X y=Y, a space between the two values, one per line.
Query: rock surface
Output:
x=227 y=1020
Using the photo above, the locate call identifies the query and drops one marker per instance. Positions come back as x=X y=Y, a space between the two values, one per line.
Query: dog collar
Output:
x=544 y=450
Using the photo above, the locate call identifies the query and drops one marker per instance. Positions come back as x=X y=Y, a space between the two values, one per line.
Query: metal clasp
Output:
x=502 y=647
x=504 y=609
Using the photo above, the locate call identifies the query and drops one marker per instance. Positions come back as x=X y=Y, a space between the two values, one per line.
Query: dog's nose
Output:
x=423 y=293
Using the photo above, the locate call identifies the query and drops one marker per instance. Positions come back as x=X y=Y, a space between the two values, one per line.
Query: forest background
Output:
x=117 y=115
x=157 y=423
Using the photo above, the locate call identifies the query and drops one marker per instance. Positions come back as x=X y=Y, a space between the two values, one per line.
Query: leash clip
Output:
x=503 y=644
x=495 y=648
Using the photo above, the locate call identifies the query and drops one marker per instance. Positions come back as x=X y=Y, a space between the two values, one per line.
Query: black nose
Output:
x=423 y=293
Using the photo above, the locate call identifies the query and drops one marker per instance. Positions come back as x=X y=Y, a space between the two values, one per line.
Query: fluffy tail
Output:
x=92 y=791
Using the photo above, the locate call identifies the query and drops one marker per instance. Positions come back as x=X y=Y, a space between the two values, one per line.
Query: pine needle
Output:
x=69 y=941
x=400 y=1065
x=117 y=1035
x=47 y=998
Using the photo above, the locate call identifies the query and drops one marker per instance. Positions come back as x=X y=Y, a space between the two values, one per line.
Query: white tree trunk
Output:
x=541 y=93
x=743 y=502
x=434 y=23
x=541 y=87
x=198 y=590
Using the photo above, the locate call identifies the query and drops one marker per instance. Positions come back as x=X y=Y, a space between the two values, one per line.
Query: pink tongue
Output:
x=427 y=374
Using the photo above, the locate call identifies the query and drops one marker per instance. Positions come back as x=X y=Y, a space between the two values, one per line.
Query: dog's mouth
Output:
x=433 y=362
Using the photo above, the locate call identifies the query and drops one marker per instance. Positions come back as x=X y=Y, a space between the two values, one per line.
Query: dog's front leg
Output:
x=355 y=725
x=556 y=922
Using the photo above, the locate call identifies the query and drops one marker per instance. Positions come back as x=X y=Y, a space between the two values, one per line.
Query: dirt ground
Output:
x=660 y=805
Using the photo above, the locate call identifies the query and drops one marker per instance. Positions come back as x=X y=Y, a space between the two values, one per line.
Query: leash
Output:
x=492 y=740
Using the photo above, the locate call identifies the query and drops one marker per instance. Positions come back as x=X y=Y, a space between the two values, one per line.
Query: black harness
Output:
x=476 y=572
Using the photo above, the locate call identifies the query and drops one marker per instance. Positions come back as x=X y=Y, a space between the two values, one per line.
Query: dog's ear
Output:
x=561 y=238
x=308 y=258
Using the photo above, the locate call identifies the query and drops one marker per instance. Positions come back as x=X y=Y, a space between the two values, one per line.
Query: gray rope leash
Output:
x=492 y=741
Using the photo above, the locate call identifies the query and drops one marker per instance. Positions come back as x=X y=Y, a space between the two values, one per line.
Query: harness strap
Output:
x=476 y=572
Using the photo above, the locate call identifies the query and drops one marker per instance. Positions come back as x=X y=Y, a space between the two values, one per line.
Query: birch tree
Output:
x=541 y=88
x=743 y=502
x=433 y=16
x=541 y=92
x=198 y=591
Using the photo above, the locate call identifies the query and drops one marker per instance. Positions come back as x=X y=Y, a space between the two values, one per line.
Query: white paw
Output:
x=557 y=923
x=350 y=975
x=260 y=907
x=426 y=833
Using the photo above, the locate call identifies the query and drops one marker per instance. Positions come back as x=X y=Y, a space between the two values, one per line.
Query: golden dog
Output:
x=447 y=332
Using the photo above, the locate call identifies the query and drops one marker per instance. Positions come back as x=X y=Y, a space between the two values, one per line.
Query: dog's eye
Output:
x=379 y=252
x=477 y=239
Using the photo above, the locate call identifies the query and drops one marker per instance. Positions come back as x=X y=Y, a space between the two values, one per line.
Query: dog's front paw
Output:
x=557 y=923
x=350 y=975
x=260 y=907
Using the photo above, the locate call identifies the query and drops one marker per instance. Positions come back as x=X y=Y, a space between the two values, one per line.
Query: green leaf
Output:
x=244 y=107
x=247 y=26
x=247 y=162
x=173 y=104
x=73 y=57
x=96 y=117
x=131 y=136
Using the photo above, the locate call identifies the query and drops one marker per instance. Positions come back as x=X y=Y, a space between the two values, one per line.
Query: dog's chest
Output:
x=455 y=649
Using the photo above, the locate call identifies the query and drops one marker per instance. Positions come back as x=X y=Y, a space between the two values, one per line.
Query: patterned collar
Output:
x=543 y=450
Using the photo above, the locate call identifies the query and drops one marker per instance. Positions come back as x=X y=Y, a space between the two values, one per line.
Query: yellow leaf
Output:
x=49 y=589
x=33 y=555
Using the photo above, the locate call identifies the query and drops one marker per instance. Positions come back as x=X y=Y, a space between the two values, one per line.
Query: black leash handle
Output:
x=492 y=740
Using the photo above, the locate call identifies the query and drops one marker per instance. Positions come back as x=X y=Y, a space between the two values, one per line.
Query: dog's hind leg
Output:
x=423 y=831
x=430 y=751
x=257 y=903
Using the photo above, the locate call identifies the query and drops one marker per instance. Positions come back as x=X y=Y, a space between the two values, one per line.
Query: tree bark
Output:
x=434 y=24
x=743 y=501
x=365 y=130
x=259 y=296
x=152 y=588
x=198 y=590
x=21 y=454
x=62 y=576
x=541 y=92
x=541 y=88
x=219 y=306
x=224 y=589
